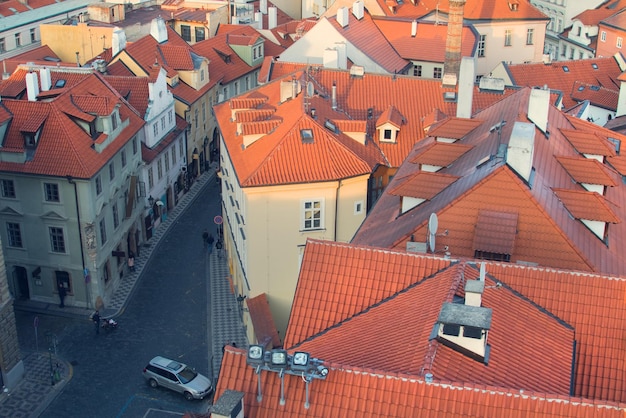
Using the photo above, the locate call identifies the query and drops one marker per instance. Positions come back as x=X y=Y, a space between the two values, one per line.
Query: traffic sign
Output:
x=218 y=220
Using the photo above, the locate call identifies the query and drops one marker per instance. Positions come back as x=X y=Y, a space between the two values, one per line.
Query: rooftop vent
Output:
x=449 y=96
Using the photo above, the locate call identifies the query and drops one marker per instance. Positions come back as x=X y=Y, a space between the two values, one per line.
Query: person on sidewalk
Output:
x=131 y=261
x=209 y=243
x=62 y=294
x=218 y=246
x=205 y=236
x=96 y=320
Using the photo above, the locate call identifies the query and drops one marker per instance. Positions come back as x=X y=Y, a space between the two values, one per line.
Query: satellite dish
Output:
x=433 y=224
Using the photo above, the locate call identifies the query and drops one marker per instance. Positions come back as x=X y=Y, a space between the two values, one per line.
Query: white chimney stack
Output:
x=474 y=292
x=118 y=41
x=158 y=29
x=258 y=17
x=413 y=28
x=272 y=18
x=46 y=79
x=263 y=6
x=358 y=9
x=467 y=74
x=343 y=17
x=538 y=106
x=32 y=86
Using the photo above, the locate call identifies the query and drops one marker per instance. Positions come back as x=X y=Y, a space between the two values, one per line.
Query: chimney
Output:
x=158 y=29
x=46 y=79
x=294 y=88
x=413 y=28
x=343 y=17
x=467 y=74
x=229 y=404
x=258 y=17
x=538 y=107
x=453 y=39
x=118 y=41
x=32 y=86
x=272 y=20
x=263 y=6
x=334 y=96
x=358 y=9
x=474 y=292
x=520 y=150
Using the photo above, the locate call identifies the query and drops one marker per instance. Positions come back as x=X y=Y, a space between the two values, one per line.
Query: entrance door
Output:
x=20 y=275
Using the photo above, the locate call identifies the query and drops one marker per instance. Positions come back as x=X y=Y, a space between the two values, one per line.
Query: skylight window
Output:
x=566 y=68
x=594 y=66
x=594 y=88
x=581 y=88
x=307 y=136
x=60 y=83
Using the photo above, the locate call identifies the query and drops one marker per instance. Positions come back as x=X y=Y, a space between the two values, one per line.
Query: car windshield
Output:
x=187 y=375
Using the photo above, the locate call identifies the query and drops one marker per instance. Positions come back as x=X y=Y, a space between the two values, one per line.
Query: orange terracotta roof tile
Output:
x=455 y=128
x=546 y=234
x=587 y=170
x=64 y=148
x=101 y=106
x=355 y=280
x=564 y=76
x=429 y=41
x=391 y=115
x=348 y=125
x=365 y=392
x=262 y=321
x=597 y=95
x=586 y=205
x=592 y=17
x=618 y=162
x=423 y=185
x=495 y=232
x=177 y=57
x=441 y=154
x=588 y=142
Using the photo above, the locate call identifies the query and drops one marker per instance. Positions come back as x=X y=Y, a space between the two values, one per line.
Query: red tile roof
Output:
x=563 y=76
x=64 y=148
x=585 y=170
x=587 y=205
x=597 y=95
x=423 y=185
x=592 y=17
x=546 y=234
x=429 y=43
x=441 y=154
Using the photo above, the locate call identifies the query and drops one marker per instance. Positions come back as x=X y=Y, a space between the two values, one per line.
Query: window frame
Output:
x=482 y=42
x=57 y=239
x=618 y=42
x=7 y=187
x=51 y=193
x=508 y=37
x=14 y=235
x=102 y=228
x=314 y=207
x=530 y=35
x=185 y=32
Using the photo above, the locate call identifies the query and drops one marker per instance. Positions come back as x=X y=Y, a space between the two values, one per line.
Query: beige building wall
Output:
x=65 y=41
x=266 y=237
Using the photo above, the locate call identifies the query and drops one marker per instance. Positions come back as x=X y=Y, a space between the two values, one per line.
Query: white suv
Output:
x=178 y=377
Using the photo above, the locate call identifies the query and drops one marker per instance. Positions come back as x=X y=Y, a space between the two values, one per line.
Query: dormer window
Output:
x=388 y=135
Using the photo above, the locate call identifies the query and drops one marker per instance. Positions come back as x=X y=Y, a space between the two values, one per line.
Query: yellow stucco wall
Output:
x=65 y=41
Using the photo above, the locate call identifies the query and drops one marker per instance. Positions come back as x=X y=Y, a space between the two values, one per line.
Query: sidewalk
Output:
x=36 y=391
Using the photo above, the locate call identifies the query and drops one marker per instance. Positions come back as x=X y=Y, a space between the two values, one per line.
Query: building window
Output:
x=135 y=145
x=507 y=37
x=8 y=189
x=603 y=36
x=199 y=34
x=111 y=170
x=529 y=36
x=163 y=123
x=116 y=217
x=159 y=169
x=150 y=178
x=103 y=232
x=437 y=71
x=3 y=47
x=312 y=214
x=170 y=117
x=559 y=27
x=204 y=112
x=579 y=31
x=173 y=156
x=57 y=240
x=155 y=129
x=482 y=39
x=185 y=32
x=114 y=121
x=166 y=158
x=51 y=191
x=123 y=154
x=417 y=71
x=18 y=40
x=358 y=207
x=202 y=74
x=98 y=185
x=14 y=235
x=619 y=42
x=564 y=51
x=387 y=135
x=33 y=36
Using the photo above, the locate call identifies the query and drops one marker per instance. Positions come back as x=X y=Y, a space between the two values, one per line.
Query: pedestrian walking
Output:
x=62 y=294
x=95 y=317
x=218 y=246
x=205 y=236
x=209 y=243
x=131 y=261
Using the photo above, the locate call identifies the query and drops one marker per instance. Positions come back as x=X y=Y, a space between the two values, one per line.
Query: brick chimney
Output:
x=452 y=63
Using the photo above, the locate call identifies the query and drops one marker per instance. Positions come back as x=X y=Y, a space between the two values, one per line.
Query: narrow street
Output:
x=167 y=314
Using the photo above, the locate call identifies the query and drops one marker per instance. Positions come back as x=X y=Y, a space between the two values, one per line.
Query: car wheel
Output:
x=188 y=396
x=153 y=383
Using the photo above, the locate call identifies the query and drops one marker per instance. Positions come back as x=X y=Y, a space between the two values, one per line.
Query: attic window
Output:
x=60 y=83
x=581 y=88
x=330 y=126
x=594 y=88
x=307 y=136
x=594 y=66
x=451 y=329
x=566 y=68
x=617 y=143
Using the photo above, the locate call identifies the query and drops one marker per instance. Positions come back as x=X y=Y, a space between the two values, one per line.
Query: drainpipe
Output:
x=71 y=181
x=337 y=208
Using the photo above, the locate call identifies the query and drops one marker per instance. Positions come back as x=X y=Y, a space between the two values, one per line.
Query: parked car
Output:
x=179 y=377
